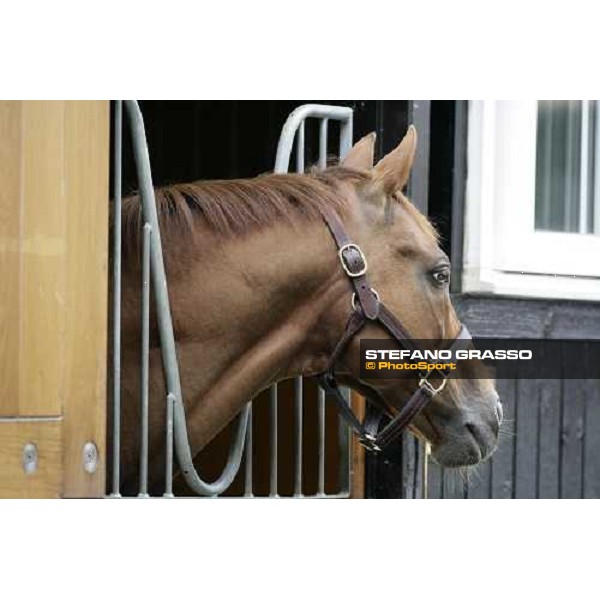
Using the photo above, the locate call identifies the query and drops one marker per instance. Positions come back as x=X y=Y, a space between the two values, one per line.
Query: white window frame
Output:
x=503 y=253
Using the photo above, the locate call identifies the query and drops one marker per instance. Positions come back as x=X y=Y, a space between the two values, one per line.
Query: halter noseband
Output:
x=366 y=306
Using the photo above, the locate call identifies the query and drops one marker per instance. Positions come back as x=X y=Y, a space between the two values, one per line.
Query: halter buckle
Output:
x=348 y=266
x=424 y=382
x=354 y=298
x=368 y=442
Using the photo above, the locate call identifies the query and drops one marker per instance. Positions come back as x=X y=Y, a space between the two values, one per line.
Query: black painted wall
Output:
x=552 y=449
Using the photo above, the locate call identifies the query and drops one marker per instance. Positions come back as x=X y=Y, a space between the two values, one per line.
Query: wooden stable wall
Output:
x=53 y=294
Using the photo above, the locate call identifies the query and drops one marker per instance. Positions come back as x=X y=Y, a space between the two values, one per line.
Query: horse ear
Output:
x=361 y=155
x=393 y=170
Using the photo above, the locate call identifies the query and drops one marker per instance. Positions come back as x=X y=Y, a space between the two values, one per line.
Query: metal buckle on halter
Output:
x=346 y=265
x=354 y=298
x=367 y=441
x=424 y=382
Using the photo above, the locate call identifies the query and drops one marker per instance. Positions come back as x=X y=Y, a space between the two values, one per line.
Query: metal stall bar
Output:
x=321 y=393
x=116 y=441
x=248 y=458
x=323 y=143
x=299 y=428
x=298 y=392
x=169 y=448
x=165 y=327
x=321 y=452
x=294 y=128
x=342 y=114
x=145 y=361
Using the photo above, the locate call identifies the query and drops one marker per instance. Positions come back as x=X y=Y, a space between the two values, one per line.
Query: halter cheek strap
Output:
x=366 y=306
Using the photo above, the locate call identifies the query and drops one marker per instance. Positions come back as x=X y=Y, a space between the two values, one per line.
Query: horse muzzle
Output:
x=468 y=439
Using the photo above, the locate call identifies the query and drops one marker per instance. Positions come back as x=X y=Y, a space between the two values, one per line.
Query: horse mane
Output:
x=234 y=207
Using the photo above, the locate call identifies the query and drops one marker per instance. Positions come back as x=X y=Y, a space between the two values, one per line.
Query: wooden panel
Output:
x=454 y=483
x=10 y=185
x=412 y=467
x=479 y=481
x=358 y=452
x=549 y=438
x=86 y=160
x=45 y=482
x=502 y=461
x=490 y=316
x=421 y=457
x=43 y=253
x=526 y=442
x=434 y=480
x=53 y=260
x=384 y=473
x=419 y=115
x=591 y=472
x=571 y=460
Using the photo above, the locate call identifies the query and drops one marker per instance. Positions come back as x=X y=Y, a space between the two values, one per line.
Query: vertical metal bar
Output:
x=321 y=400
x=346 y=136
x=343 y=432
x=248 y=458
x=116 y=438
x=298 y=384
x=300 y=149
x=323 y=129
x=323 y=125
x=298 y=410
x=323 y=143
x=169 y=449
x=273 y=438
x=145 y=361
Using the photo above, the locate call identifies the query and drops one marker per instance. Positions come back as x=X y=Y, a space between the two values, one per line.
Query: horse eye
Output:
x=441 y=276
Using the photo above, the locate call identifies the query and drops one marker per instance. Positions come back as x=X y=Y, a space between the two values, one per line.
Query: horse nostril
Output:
x=478 y=435
x=472 y=430
x=499 y=412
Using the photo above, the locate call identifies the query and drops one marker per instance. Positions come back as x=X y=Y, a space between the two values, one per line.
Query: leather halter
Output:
x=366 y=306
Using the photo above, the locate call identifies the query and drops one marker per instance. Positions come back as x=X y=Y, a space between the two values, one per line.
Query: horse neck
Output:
x=252 y=311
x=264 y=298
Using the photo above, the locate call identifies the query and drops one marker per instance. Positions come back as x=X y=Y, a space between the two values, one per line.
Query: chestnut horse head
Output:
x=411 y=274
x=258 y=295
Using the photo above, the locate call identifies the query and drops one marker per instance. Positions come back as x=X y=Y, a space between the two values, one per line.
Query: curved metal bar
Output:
x=165 y=326
x=298 y=116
